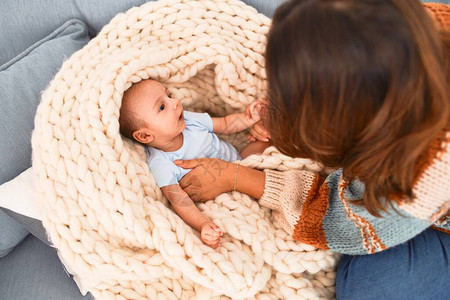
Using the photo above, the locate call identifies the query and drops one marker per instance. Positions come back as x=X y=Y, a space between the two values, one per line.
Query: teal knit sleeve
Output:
x=351 y=229
x=326 y=216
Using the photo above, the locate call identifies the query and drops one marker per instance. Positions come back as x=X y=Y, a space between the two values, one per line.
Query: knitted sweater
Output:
x=320 y=212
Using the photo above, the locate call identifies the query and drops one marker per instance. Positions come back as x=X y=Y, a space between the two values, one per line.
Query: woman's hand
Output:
x=209 y=178
x=259 y=132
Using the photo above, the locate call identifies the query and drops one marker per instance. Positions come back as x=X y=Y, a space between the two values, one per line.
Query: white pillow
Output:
x=17 y=195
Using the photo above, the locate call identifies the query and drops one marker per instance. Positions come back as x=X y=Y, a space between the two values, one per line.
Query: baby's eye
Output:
x=170 y=95
x=162 y=107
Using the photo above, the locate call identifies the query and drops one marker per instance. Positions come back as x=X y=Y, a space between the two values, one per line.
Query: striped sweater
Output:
x=320 y=212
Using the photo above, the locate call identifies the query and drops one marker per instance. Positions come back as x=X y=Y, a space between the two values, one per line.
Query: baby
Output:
x=152 y=116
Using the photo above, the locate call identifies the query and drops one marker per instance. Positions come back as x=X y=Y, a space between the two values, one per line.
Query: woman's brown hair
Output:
x=360 y=85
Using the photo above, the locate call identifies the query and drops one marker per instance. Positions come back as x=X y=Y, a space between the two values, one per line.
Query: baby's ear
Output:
x=143 y=136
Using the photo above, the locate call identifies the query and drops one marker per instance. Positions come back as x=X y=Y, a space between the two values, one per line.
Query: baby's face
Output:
x=162 y=113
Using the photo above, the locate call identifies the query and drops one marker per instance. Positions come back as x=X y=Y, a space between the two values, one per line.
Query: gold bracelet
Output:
x=235 y=177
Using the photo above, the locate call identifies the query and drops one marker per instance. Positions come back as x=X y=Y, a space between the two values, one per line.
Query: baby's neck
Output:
x=173 y=145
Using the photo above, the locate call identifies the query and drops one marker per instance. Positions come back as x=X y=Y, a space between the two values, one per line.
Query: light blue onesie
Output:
x=199 y=141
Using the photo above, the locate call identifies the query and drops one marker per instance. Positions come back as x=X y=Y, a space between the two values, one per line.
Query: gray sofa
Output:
x=36 y=36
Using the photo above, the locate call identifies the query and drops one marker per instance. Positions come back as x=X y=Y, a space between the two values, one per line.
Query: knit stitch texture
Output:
x=101 y=207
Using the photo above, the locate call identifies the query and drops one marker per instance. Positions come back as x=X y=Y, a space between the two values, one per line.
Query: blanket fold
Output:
x=112 y=227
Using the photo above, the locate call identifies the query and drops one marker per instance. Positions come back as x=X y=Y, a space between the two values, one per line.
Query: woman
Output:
x=361 y=86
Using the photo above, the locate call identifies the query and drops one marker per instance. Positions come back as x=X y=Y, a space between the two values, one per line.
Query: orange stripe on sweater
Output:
x=371 y=242
x=441 y=229
x=309 y=228
x=445 y=208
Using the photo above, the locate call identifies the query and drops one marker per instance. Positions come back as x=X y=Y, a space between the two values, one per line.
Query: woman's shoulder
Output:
x=437 y=155
x=432 y=182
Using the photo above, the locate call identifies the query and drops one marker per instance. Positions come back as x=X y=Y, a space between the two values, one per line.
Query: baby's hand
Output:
x=259 y=131
x=253 y=112
x=210 y=234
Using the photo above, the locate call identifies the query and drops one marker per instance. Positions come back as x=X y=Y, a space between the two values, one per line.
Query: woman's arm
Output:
x=212 y=177
x=320 y=212
x=250 y=181
x=314 y=210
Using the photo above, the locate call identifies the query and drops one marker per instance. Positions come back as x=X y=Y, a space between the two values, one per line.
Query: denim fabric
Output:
x=417 y=269
x=33 y=271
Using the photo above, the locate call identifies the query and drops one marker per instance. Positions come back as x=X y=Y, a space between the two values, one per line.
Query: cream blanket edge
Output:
x=100 y=205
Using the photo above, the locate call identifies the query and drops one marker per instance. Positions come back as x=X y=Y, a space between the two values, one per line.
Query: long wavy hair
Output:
x=360 y=85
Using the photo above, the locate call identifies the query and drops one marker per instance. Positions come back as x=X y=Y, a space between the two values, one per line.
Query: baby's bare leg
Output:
x=254 y=148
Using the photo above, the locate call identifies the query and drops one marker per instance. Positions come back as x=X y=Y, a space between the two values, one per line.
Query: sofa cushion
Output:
x=12 y=233
x=32 y=20
x=21 y=81
x=17 y=201
x=18 y=195
x=34 y=271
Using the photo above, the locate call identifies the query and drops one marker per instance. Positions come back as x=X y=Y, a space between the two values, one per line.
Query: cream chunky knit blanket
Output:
x=112 y=227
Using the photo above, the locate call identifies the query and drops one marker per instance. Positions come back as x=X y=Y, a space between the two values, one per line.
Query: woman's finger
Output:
x=189 y=164
x=185 y=181
x=261 y=130
x=256 y=132
x=257 y=135
x=259 y=127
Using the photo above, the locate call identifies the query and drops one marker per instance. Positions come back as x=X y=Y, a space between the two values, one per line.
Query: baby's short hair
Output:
x=129 y=121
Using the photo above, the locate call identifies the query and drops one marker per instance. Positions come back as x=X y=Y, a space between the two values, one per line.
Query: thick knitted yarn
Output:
x=101 y=207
